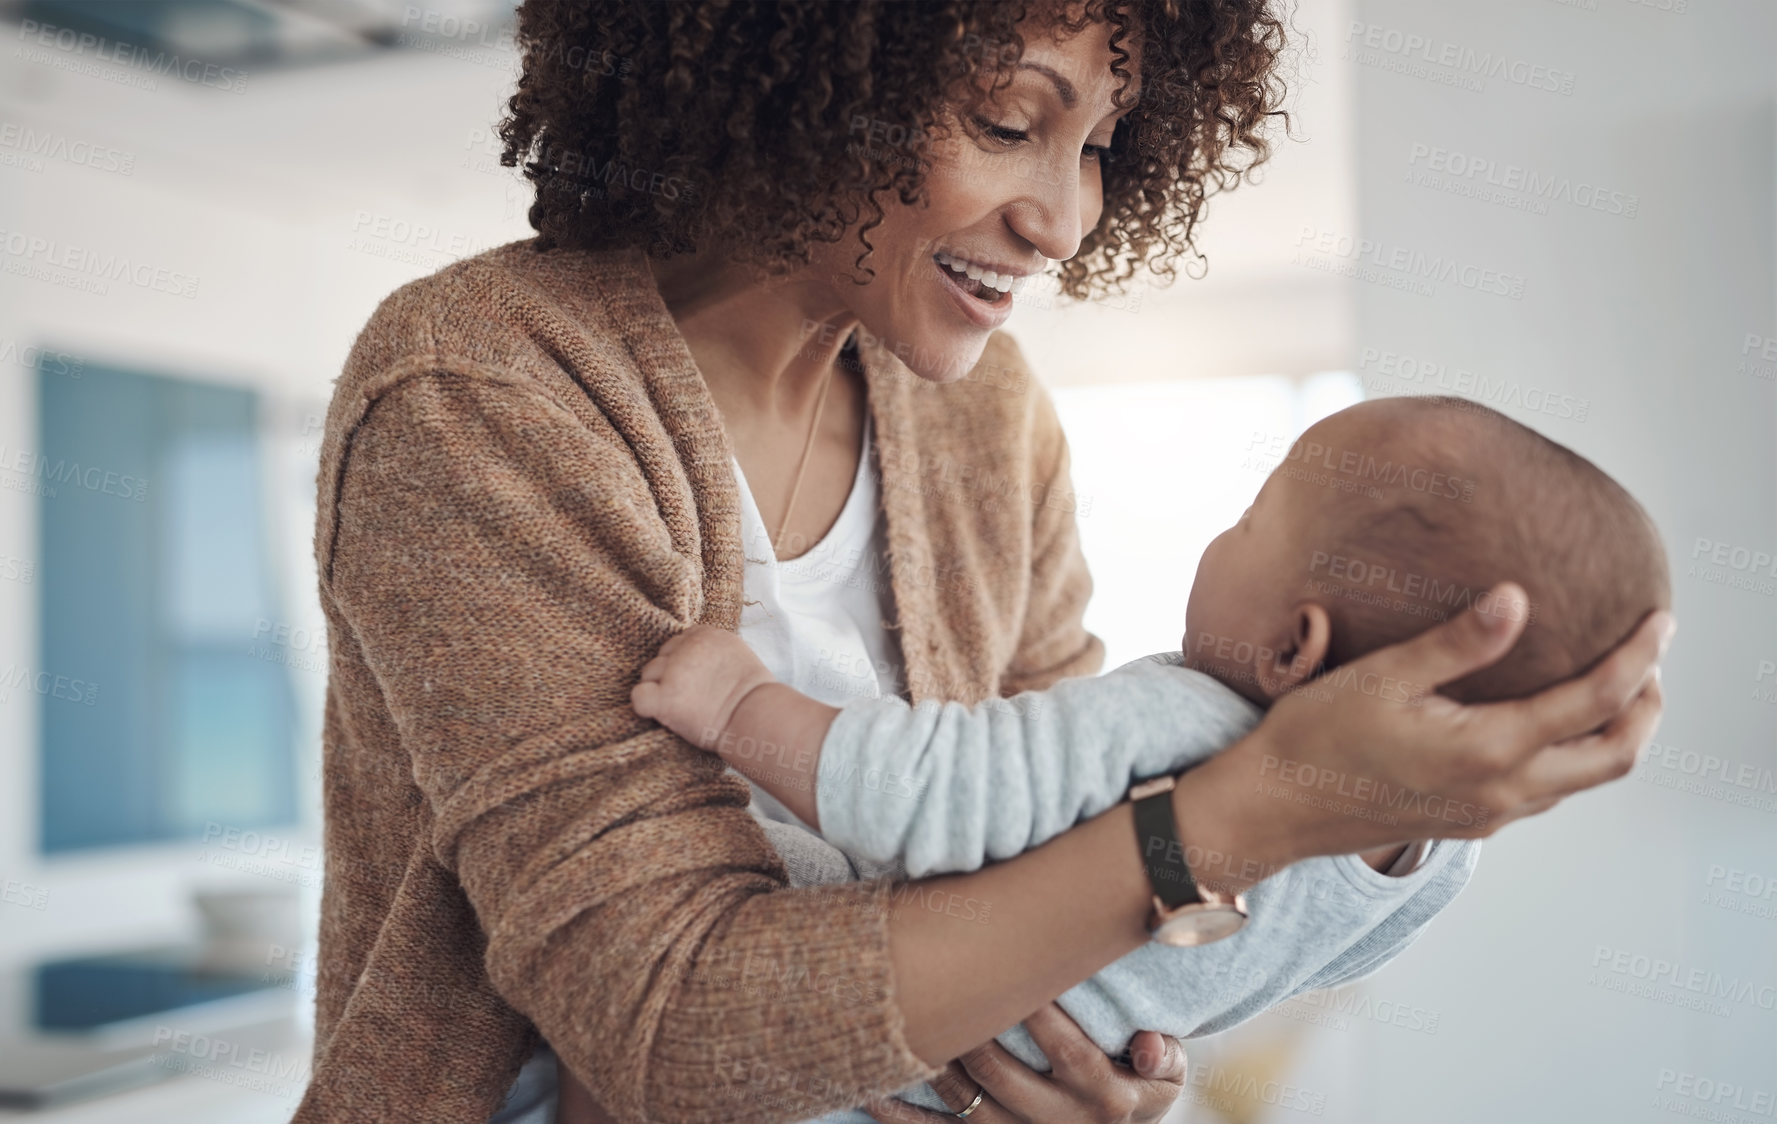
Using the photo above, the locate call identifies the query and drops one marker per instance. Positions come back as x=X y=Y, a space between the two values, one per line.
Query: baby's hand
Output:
x=694 y=683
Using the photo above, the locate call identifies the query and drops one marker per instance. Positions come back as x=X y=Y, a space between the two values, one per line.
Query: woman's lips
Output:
x=985 y=314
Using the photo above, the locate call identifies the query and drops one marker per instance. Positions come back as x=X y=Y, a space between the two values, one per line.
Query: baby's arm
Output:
x=948 y=787
x=708 y=687
x=940 y=787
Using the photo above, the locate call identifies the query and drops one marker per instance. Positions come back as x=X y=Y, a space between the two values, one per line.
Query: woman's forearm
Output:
x=976 y=953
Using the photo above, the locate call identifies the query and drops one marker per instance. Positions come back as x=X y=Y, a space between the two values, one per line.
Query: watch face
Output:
x=1199 y=925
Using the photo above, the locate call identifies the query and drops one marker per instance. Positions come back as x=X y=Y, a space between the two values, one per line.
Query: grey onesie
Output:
x=946 y=787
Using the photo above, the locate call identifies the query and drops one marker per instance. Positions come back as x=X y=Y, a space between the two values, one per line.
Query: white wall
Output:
x=1645 y=318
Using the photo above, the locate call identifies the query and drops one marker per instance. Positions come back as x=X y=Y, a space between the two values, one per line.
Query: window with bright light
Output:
x=1161 y=469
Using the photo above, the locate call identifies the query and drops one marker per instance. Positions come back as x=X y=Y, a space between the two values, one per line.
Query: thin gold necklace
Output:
x=814 y=427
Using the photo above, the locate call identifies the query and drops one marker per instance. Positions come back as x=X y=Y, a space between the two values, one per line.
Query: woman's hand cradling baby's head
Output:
x=694 y=684
x=1369 y=755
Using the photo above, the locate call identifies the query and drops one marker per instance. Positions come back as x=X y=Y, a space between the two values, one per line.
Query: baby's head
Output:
x=1393 y=515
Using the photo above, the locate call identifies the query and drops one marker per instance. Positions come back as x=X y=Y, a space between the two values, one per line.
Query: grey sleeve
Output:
x=948 y=787
x=1399 y=929
x=1316 y=924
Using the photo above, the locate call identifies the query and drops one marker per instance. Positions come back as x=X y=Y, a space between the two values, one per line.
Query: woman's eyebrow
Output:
x=1070 y=96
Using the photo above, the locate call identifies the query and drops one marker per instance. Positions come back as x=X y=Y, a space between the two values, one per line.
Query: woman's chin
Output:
x=949 y=363
x=930 y=343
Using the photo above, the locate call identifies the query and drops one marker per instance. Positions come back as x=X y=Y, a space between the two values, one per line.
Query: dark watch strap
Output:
x=1161 y=851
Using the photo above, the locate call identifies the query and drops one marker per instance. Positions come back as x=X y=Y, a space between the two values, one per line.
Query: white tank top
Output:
x=817 y=621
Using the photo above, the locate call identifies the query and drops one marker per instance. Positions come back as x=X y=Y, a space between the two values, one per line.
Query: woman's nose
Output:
x=1050 y=210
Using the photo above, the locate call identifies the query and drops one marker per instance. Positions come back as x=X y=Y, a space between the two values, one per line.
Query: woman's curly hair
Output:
x=769 y=126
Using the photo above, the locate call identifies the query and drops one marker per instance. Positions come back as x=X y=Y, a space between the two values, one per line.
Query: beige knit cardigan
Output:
x=524 y=489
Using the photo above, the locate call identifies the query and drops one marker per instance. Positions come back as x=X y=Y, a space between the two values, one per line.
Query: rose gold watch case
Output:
x=1199 y=923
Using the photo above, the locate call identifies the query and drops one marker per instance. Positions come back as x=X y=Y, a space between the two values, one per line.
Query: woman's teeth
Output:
x=978 y=282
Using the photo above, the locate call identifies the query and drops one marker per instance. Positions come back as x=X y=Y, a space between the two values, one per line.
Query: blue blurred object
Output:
x=162 y=710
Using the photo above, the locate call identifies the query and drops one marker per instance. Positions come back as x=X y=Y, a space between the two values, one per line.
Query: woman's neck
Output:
x=764 y=346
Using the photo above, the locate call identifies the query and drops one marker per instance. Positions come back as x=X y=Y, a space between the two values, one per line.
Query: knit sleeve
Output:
x=1053 y=643
x=505 y=570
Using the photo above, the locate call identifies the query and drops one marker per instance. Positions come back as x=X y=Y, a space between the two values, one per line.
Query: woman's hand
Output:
x=1084 y=1085
x=1369 y=755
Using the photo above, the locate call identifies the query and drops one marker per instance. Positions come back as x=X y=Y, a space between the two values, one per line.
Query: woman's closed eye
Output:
x=1099 y=153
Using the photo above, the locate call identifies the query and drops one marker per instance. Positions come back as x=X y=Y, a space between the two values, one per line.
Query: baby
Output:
x=1384 y=519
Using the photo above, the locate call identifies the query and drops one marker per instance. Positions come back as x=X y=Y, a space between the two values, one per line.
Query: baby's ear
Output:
x=1304 y=655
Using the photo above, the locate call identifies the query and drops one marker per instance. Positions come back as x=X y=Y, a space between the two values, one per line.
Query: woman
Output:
x=543 y=462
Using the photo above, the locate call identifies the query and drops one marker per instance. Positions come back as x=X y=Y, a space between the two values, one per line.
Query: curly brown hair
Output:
x=686 y=123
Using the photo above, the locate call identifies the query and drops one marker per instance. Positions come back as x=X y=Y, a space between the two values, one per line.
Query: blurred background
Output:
x=1565 y=209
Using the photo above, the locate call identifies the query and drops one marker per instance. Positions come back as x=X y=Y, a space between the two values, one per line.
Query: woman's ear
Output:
x=1305 y=655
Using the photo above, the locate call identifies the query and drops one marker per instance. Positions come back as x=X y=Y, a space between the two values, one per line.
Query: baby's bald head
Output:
x=1396 y=514
x=1458 y=498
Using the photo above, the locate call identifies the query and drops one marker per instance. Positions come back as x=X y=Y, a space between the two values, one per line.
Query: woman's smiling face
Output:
x=1021 y=188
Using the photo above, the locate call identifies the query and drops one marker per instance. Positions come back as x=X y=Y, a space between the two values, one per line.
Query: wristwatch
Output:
x=1184 y=914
